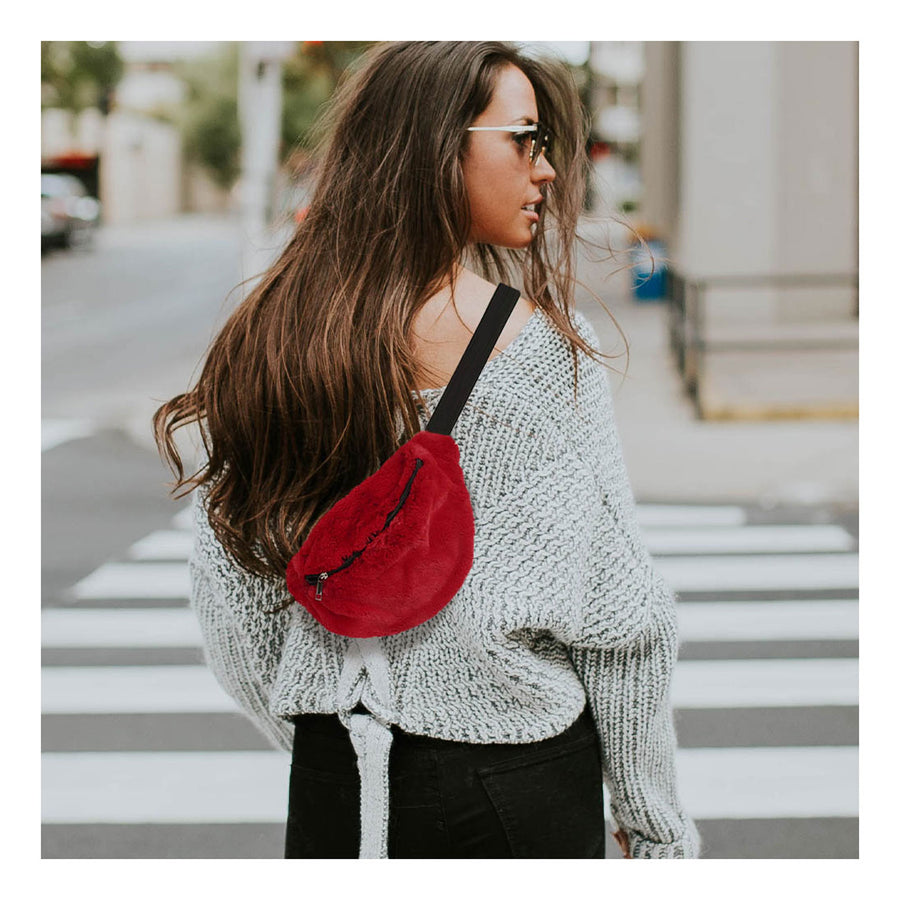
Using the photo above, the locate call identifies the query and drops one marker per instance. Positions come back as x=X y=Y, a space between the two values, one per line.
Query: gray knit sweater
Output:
x=562 y=606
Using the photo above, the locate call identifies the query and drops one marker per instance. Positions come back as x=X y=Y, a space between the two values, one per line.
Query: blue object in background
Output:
x=647 y=286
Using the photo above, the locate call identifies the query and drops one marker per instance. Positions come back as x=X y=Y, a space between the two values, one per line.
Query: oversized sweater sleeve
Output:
x=227 y=648
x=625 y=656
x=628 y=691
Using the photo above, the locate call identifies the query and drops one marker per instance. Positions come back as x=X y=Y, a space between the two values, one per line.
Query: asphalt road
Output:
x=124 y=325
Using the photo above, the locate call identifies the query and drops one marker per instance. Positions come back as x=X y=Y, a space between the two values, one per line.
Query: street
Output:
x=123 y=327
x=145 y=757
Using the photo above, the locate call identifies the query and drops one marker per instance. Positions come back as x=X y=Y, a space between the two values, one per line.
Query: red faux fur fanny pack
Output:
x=394 y=551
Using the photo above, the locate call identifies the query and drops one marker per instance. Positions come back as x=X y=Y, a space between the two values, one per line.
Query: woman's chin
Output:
x=526 y=241
x=517 y=241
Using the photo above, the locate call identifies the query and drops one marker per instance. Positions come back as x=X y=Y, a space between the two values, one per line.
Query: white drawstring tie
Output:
x=365 y=678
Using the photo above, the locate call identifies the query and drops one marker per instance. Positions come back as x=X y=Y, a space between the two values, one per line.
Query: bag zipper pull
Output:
x=319 y=582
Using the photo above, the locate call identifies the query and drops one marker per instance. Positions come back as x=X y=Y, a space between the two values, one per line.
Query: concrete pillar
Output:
x=140 y=169
x=768 y=164
x=659 y=137
x=259 y=109
x=768 y=187
x=728 y=159
x=815 y=228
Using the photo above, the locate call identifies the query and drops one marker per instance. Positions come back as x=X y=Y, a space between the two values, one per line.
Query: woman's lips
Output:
x=531 y=215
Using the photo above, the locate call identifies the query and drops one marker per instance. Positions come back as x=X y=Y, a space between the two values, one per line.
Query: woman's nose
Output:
x=542 y=171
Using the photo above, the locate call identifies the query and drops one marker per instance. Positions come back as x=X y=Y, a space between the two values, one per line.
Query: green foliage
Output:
x=208 y=117
x=76 y=75
x=309 y=78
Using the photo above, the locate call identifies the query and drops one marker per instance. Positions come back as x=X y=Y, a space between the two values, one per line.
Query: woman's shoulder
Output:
x=444 y=326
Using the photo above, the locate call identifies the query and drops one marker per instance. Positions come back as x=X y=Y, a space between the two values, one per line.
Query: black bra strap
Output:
x=473 y=360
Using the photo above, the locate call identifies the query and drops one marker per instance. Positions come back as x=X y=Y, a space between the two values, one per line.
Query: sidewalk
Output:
x=673 y=457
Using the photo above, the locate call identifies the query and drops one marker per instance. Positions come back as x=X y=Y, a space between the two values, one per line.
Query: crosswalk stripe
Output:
x=734 y=683
x=697 y=684
x=817 y=571
x=224 y=786
x=769 y=782
x=131 y=689
x=176 y=544
x=135 y=581
x=119 y=628
x=55 y=432
x=162 y=545
x=729 y=620
x=769 y=620
x=251 y=786
x=749 y=539
x=662 y=515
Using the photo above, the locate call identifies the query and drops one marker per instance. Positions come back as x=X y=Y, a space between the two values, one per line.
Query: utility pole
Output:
x=589 y=102
x=259 y=109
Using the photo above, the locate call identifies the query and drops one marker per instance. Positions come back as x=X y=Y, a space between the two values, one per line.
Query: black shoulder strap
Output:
x=473 y=360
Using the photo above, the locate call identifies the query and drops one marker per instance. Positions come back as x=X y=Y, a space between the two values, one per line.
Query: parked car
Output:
x=68 y=214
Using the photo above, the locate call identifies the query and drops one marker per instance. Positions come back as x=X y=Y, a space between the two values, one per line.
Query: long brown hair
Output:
x=299 y=396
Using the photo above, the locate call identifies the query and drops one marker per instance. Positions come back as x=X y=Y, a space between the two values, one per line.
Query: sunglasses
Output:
x=539 y=135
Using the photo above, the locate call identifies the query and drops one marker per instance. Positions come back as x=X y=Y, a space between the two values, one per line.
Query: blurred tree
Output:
x=208 y=117
x=76 y=75
x=309 y=78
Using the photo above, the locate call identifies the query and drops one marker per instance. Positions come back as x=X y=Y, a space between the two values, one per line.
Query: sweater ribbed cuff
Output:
x=686 y=847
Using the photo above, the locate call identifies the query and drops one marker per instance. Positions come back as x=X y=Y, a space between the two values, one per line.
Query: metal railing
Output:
x=687 y=314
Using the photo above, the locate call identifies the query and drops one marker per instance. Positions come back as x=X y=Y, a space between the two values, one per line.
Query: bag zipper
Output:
x=319 y=578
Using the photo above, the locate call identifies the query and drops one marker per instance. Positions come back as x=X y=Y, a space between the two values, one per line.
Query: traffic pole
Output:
x=259 y=111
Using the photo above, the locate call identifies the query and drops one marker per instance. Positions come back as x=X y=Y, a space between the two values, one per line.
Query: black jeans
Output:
x=450 y=799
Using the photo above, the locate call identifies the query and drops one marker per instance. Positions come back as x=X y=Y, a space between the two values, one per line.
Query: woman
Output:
x=486 y=731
